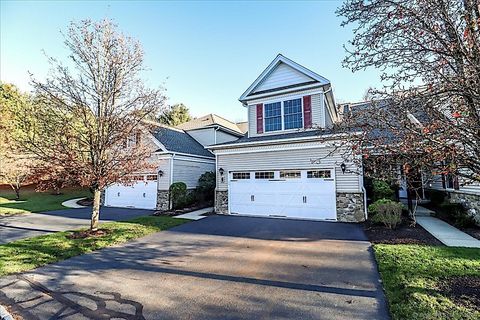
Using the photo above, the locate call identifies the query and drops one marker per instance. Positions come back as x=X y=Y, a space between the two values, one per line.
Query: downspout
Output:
x=171 y=181
x=215 y=135
x=365 y=202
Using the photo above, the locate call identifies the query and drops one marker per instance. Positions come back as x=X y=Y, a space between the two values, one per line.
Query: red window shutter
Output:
x=307 y=112
x=260 y=118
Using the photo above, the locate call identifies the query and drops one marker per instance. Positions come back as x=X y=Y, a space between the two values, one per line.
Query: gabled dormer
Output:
x=288 y=97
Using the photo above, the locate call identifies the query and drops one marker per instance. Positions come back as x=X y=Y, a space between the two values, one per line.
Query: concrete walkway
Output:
x=195 y=215
x=72 y=203
x=447 y=234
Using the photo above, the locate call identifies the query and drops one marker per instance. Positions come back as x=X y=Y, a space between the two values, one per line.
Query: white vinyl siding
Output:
x=278 y=159
x=211 y=136
x=282 y=76
x=188 y=171
x=223 y=137
x=205 y=137
x=164 y=180
x=318 y=111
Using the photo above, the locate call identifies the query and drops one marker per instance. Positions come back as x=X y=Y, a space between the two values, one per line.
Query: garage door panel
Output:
x=313 y=198
x=142 y=195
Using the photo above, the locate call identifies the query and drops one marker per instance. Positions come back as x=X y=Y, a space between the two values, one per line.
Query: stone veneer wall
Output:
x=163 y=200
x=221 y=201
x=471 y=202
x=350 y=207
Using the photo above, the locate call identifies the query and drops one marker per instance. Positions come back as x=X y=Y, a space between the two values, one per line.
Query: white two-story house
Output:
x=286 y=165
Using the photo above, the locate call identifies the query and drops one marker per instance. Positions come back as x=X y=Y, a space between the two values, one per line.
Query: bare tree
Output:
x=427 y=115
x=15 y=170
x=90 y=111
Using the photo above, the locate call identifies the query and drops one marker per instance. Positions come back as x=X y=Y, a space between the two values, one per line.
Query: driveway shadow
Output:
x=274 y=229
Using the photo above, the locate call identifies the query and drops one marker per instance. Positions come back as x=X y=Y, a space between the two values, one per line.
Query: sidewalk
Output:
x=447 y=234
x=195 y=215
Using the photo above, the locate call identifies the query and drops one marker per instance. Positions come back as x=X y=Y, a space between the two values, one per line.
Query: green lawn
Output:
x=28 y=254
x=411 y=274
x=31 y=201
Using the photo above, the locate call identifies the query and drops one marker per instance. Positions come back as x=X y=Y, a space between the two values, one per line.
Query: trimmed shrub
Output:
x=206 y=186
x=382 y=190
x=456 y=213
x=178 y=192
x=386 y=212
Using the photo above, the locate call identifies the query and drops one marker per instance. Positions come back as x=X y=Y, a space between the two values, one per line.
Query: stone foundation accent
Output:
x=471 y=202
x=350 y=207
x=163 y=200
x=221 y=201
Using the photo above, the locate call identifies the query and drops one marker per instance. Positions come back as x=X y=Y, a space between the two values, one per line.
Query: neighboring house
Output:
x=212 y=129
x=458 y=189
x=180 y=156
x=287 y=166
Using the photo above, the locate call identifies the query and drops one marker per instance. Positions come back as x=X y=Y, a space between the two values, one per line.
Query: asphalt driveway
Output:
x=29 y=225
x=220 y=267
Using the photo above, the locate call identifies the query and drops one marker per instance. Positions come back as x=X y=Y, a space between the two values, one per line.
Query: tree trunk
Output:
x=17 y=193
x=16 y=188
x=95 y=209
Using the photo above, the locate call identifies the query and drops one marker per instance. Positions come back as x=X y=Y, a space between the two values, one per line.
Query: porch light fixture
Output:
x=160 y=173
x=221 y=171
x=343 y=166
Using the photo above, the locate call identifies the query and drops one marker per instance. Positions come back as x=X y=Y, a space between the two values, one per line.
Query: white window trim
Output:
x=282 y=113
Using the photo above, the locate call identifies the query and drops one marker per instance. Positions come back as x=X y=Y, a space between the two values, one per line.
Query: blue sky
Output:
x=204 y=53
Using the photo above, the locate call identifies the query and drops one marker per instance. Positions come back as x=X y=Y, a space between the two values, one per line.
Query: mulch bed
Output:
x=89 y=234
x=464 y=290
x=177 y=212
x=404 y=234
x=85 y=202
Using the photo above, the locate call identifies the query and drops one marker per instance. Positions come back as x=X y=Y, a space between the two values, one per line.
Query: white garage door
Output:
x=287 y=193
x=142 y=194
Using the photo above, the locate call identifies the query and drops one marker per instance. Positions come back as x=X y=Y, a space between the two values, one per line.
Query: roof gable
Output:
x=282 y=76
x=283 y=73
x=210 y=120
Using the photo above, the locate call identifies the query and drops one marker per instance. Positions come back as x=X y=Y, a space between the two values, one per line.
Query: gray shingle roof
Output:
x=176 y=140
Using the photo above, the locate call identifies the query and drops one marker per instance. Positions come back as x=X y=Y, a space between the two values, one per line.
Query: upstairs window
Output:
x=292 y=114
x=273 y=116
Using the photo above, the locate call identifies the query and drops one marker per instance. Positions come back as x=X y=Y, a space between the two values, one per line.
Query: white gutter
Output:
x=183 y=154
x=281 y=141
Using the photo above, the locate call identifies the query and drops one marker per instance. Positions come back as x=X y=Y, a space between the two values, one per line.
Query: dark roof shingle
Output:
x=176 y=140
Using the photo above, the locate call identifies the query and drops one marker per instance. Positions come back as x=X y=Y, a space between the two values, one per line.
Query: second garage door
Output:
x=286 y=193
x=141 y=194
